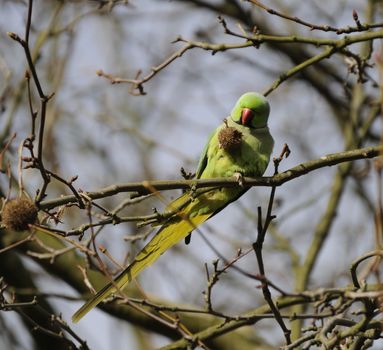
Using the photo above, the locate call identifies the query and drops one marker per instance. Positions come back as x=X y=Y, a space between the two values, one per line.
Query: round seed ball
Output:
x=229 y=138
x=18 y=214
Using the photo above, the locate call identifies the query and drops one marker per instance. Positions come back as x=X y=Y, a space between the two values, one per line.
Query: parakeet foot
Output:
x=240 y=179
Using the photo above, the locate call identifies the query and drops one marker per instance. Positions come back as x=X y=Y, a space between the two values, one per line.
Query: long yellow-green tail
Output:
x=162 y=241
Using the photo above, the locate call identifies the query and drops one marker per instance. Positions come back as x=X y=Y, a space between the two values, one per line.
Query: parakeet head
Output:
x=251 y=110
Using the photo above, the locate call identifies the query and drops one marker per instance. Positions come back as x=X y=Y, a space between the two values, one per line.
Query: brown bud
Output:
x=355 y=15
x=18 y=214
x=13 y=36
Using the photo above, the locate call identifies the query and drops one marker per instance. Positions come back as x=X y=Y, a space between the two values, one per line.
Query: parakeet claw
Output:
x=239 y=178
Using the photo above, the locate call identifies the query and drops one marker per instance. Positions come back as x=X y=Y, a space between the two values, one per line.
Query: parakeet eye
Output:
x=247 y=116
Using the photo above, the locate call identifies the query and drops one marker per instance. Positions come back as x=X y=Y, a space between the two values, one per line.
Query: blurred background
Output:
x=106 y=135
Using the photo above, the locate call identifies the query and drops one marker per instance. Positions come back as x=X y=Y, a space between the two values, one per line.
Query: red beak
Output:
x=247 y=116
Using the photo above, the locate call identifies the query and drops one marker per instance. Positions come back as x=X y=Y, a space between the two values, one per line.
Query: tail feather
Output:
x=168 y=236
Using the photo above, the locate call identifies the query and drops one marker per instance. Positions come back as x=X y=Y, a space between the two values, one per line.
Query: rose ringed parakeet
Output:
x=241 y=146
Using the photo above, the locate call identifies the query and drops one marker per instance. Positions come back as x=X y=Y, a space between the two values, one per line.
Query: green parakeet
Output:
x=241 y=146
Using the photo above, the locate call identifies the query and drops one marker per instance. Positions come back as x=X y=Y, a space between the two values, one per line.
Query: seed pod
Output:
x=229 y=139
x=18 y=214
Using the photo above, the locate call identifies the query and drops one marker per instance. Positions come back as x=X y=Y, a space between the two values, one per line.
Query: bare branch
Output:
x=276 y=180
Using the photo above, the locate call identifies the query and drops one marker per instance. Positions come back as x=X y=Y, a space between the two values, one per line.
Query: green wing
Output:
x=200 y=168
x=203 y=159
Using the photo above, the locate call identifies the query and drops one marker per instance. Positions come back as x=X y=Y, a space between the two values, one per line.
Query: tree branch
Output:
x=277 y=180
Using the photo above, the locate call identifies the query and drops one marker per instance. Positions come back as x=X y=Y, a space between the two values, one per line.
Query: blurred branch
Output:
x=357 y=262
x=255 y=40
x=39 y=311
x=205 y=330
x=276 y=180
x=326 y=28
x=254 y=316
x=62 y=268
x=354 y=133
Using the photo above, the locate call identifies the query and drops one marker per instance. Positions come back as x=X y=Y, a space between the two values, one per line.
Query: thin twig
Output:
x=38 y=162
x=258 y=247
x=356 y=263
x=16 y=244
